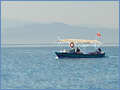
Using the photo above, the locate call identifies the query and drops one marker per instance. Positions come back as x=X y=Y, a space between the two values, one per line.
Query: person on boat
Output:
x=99 y=50
x=78 y=51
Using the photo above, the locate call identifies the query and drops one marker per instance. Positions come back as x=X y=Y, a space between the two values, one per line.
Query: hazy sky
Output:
x=35 y=21
x=90 y=13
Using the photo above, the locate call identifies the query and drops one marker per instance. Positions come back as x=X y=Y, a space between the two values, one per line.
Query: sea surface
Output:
x=37 y=68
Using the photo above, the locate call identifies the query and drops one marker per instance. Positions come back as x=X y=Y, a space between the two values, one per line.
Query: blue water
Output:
x=37 y=68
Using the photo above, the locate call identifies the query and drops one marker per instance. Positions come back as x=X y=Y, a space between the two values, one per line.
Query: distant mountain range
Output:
x=27 y=33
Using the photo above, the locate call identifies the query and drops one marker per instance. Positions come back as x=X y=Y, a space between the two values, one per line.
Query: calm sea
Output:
x=37 y=68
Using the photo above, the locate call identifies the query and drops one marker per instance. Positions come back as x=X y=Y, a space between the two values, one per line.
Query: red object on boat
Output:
x=72 y=45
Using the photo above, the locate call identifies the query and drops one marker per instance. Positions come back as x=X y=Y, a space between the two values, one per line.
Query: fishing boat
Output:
x=76 y=53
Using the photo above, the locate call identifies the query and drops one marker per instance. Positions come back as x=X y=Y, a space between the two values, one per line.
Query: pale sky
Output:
x=80 y=13
x=37 y=21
